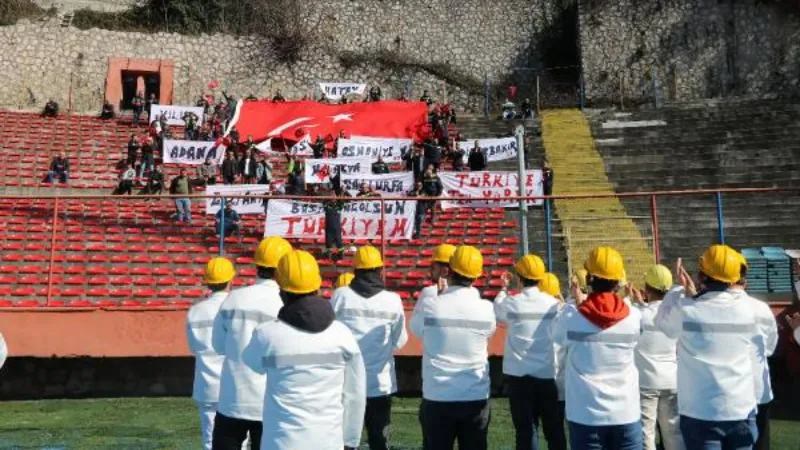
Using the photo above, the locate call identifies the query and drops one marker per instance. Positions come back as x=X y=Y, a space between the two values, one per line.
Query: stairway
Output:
x=578 y=169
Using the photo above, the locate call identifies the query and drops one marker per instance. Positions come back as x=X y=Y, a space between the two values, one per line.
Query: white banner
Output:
x=302 y=147
x=494 y=149
x=499 y=185
x=321 y=170
x=390 y=149
x=240 y=205
x=175 y=113
x=395 y=184
x=335 y=91
x=360 y=220
x=192 y=153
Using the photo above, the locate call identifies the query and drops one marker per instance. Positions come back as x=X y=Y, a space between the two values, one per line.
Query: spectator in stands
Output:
x=527 y=109
x=426 y=97
x=318 y=148
x=202 y=102
x=229 y=169
x=509 y=110
x=208 y=364
x=602 y=383
x=133 y=150
x=107 y=111
x=50 y=109
x=295 y=185
x=366 y=191
x=248 y=167
x=432 y=185
x=228 y=218
x=379 y=167
x=455 y=330
x=155 y=182
x=476 y=159
x=457 y=157
x=547 y=178
x=126 y=178
x=190 y=121
x=414 y=161
x=148 y=161
x=59 y=168
x=278 y=97
x=207 y=173
x=183 y=205
x=433 y=153
x=238 y=165
x=323 y=98
x=375 y=94
x=422 y=208
x=264 y=171
x=137 y=104
x=234 y=135
x=376 y=318
x=334 y=247
x=148 y=104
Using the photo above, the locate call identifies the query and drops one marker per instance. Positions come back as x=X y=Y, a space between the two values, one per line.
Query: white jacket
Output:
x=316 y=386
x=455 y=329
x=715 y=333
x=656 y=354
x=764 y=346
x=529 y=347
x=207 y=363
x=3 y=351
x=241 y=389
x=601 y=380
x=379 y=325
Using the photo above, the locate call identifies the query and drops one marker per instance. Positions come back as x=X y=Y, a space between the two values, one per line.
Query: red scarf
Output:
x=604 y=310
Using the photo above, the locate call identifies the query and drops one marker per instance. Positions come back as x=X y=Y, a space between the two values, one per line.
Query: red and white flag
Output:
x=294 y=120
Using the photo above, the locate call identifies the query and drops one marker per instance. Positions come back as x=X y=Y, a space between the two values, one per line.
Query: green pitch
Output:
x=172 y=423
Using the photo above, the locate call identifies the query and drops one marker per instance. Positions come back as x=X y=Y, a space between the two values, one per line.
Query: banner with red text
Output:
x=498 y=185
x=321 y=170
x=360 y=220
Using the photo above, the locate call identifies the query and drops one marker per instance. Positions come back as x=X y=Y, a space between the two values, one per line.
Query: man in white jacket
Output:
x=455 y=329
x=602 y=383
x=377 y=320
x=241 y=395
x=316 y=384
x=716 y=333
x=529 y=357
x=764 y=346
x=657 y=361
x=208 y=364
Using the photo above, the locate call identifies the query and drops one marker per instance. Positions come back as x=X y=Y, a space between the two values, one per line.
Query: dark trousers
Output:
x=762 y=424
x=333 y=230
x=230 y=433
x=444 y=423
x=531 y=399
x=606 y=437
x=377 y=420
x=719 y=435
x=423 y=206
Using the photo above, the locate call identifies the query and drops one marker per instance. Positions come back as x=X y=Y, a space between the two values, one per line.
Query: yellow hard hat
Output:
x=580 y=274
x=367 y=257
x=270 y=251
x=722 y=263
x=530 y=267
x=605 y=263
x=550 y=284
x=218 y=271
x=467 y=261
x=659 y=278
x=298 y=273
x=442 y=253
x=344 y=280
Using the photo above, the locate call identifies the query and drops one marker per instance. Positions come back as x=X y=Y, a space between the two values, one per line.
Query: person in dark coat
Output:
x=433 y=153
x=414 y=162
x=432 y=186
x=477 y=159
x=379 y=167
x=333 y=223
x=547 y=178
x=229 y=169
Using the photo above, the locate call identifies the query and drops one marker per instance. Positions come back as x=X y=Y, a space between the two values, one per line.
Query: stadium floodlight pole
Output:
x=519 y=133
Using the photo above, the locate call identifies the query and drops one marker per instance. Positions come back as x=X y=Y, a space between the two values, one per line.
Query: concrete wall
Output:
x=467 y=39
x=695 y=48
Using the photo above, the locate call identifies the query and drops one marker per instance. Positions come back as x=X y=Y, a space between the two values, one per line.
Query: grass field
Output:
x=172 y=423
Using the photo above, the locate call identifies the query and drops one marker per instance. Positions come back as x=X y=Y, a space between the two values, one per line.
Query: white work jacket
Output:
x=3 y=351
x=764 y=346
x=529 y=347
x=600 y=376
x=242 y=389
x=207 y=363
x=316 y=386
x=716 y=334
x=379 y=325
x=656 y=354
x=455 y=329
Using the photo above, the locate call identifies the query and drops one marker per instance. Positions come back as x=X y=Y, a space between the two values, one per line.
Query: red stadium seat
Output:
x=394 y=275
x=80 y=304
x=98 y=292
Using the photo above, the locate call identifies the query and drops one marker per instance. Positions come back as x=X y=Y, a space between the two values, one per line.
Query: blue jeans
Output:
x=148 y=163
x=719 y=435
x=184 y=208
x=62 y=176
x=230 y=228
x=607 y=437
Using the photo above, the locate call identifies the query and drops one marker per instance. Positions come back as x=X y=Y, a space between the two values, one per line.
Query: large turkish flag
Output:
x=293 y=120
